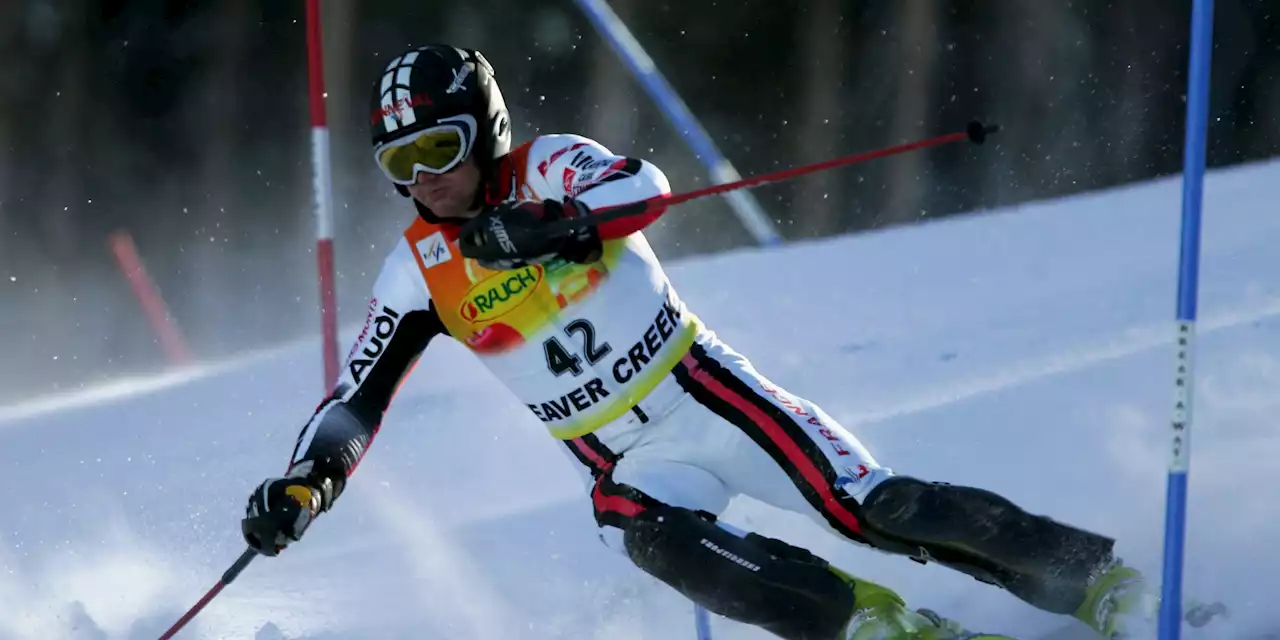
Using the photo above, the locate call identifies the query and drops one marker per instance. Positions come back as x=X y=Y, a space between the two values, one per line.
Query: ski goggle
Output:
x=436 y=149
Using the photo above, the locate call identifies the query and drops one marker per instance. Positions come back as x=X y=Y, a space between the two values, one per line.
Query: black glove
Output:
x=281 y=509
x=513 y=235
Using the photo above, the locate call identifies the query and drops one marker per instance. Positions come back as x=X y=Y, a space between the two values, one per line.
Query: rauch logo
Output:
x=499 y=294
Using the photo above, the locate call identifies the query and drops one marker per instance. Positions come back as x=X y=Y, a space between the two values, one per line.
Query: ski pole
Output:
x=975 y=132
x=227 y=577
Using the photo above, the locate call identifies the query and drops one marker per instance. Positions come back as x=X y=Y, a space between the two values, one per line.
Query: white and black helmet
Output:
x=438 y=85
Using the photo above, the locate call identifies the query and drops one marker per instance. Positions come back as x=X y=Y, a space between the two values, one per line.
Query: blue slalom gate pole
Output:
x=702 y=621
x=1188 y=284
x=745 y=206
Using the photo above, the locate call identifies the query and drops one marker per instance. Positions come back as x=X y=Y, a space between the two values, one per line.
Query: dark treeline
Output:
x=185 y=123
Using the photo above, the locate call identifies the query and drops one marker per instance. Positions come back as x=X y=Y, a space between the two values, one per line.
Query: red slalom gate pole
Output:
x=976 y=133
x=126 y=253
x=323 y=184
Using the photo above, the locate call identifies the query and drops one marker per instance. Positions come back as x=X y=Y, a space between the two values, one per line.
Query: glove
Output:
x=514 y=235
x=281 y=509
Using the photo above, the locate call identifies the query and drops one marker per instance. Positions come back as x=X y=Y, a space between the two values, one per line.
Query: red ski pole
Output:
x=230 y=575
x=975 y=132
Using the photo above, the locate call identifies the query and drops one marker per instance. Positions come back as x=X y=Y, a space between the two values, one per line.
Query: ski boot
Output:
x=1119 y=603
x=881 y=614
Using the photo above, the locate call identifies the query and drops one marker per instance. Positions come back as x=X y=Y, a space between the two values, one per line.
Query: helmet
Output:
x=435 y=84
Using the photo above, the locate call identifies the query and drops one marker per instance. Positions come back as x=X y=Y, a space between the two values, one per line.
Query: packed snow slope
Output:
x=1027 y=351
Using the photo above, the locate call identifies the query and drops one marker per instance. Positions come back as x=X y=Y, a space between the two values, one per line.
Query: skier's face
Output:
x=449 y=195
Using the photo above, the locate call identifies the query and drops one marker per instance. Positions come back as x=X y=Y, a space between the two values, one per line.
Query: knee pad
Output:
x=744 y=577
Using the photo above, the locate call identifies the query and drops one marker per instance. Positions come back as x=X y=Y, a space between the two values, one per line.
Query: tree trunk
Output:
x=908 y=180
x=56 y=211
x=217 y=232
x=820 y=39
x=611 y=97
x=348 y=133
x=11 y=19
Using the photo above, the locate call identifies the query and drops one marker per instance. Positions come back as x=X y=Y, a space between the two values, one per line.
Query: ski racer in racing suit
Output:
x=585 y=328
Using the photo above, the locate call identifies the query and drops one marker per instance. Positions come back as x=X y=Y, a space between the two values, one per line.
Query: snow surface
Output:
x=1027 y=351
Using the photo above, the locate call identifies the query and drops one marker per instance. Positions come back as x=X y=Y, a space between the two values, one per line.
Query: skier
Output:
x=671 y=423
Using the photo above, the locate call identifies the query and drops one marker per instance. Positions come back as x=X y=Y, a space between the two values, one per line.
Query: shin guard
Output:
x=1045 y=563
x=749 y=578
